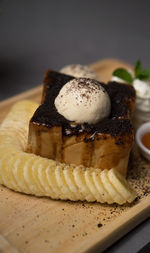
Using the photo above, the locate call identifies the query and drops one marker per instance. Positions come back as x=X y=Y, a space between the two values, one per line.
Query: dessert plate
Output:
x=31 y=224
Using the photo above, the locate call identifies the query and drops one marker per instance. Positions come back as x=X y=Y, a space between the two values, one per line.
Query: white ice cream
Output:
x=78 y=70
x=117 y=79
x=143 y=95
x=142 y=88
x=84 y=101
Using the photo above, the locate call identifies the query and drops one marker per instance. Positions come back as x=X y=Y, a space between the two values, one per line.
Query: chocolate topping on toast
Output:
x=115 y=124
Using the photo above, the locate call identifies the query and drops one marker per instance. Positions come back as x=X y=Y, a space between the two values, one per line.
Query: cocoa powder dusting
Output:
x=139 y=174
x=138 y=177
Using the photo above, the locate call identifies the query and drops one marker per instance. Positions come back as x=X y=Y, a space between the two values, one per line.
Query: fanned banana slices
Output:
x=32 y=174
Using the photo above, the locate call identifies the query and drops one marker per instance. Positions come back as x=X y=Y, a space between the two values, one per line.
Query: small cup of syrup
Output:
x=143 y=139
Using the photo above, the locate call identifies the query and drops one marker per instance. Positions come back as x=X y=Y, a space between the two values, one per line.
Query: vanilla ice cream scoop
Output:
x=83 y=100
x=78 y=70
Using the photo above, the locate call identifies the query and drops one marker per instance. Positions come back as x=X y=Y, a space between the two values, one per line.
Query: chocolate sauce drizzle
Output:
x=47 y=115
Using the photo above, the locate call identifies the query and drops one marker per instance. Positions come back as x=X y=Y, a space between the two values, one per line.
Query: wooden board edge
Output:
x=122 y=230
x=24 y=95
x=114 y=231
x=109 y=61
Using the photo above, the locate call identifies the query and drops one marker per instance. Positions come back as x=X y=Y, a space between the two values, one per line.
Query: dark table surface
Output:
x=37 y=35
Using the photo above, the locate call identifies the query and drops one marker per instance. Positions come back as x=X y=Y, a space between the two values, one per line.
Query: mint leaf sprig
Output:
x=123 y=74
x=139 y=73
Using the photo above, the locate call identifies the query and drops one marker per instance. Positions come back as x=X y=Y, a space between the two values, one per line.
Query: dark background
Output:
x=37 y=35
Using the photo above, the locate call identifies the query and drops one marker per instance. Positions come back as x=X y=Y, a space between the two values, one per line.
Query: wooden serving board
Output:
x=29 y=224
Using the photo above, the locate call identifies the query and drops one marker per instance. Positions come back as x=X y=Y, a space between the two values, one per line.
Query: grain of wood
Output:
x=6 y=247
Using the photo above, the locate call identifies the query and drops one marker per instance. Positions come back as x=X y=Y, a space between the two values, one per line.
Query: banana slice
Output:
x=60 y=179
x=121 y=185
x=91 y=185
x=6 y=176
x=35 y=175
x=68 y=174
x=18 y=171
x=55 y=194
x=39 y=176
x=9 y=171
x=51 y=178
x=111 y=189
x=102 y=191
x=29 y=179
x=44 y=182
x=78 y=173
